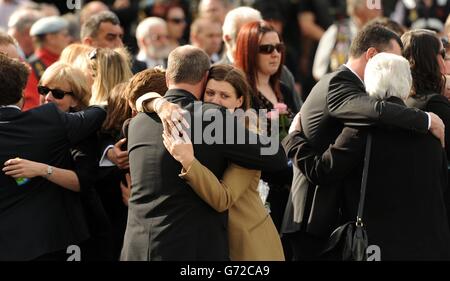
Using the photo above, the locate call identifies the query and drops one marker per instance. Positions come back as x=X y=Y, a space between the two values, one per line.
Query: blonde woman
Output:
x=111 y=67
x=66 y=86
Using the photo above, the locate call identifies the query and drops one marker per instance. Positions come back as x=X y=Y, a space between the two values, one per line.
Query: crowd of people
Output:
x=222 y=130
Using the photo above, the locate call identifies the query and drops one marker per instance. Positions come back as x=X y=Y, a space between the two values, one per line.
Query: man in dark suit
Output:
x=340 y=99
x=405 y=203
x=38 y=219
x=166 y=219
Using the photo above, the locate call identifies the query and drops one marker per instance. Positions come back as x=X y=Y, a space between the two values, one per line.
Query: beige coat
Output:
x=251 y=232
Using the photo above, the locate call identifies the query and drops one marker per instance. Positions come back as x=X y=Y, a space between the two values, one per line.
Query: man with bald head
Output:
x=207 y=35
x=167 y=220
x=90 y=9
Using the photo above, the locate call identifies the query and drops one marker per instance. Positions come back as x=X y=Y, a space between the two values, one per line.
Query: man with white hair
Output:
x=406 y=174
x=234 y=20
x=152 y=38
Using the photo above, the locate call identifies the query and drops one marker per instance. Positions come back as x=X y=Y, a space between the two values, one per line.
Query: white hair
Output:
x=143 y=29
x=238 y=17
x=388 y=75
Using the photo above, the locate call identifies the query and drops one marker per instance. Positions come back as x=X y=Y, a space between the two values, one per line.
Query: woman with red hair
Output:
x=260 y=54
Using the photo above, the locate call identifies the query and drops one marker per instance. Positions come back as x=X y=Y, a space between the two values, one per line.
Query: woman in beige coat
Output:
x=252 y=234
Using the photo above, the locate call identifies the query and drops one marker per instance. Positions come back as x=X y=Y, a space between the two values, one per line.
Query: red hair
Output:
x=246 y=56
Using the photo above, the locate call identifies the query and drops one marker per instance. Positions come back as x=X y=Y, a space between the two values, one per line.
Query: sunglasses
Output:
x=56 y=93
x=177 y=20
x=268 y=48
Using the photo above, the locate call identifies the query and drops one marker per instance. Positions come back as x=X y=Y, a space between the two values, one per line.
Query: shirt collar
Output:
x=10 y=106
x=349 y=68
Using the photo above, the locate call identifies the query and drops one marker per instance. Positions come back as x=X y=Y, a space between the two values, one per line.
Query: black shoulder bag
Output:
x=349 y=242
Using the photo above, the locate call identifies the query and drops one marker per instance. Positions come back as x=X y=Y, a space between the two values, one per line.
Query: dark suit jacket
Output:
x=405 y=206
x=339 y=99
x=41 y=217
x=166 y=219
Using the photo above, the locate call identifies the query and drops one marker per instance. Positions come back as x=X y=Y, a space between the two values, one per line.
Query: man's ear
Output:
x=226 y=38
x=87 y=41
x=370 y=53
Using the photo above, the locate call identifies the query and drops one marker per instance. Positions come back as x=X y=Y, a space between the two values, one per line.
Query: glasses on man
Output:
x=177 y=20
x=269 y=48
x=158 y=37
x=56 y=93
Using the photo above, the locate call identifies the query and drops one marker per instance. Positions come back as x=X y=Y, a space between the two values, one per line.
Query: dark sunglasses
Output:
x=177 y=20
x=56 y=93
x=268 y=49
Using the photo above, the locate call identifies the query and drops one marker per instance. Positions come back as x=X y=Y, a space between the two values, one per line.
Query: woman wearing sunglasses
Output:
x=260 y=54
x=67 y=87
x=251 y=232
x=426 y=55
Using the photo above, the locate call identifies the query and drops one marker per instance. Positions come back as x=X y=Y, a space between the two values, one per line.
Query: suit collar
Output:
x=177 y=93
x=348 y=69
x=9 y=111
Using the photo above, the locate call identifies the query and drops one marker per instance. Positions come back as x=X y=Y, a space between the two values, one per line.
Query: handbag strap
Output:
x=362 y=196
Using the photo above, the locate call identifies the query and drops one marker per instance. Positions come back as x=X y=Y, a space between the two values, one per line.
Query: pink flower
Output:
x=281 y=108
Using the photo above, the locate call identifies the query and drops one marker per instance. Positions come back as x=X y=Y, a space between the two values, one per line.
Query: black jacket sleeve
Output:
x=440 y=106
x=334 y=164
x=251 y=150
x=348 y=103
x=82 y=124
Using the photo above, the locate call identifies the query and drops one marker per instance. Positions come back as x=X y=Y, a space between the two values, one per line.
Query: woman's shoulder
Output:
x=427 y=101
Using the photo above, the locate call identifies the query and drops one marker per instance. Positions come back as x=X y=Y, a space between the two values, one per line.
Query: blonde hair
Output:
x=111 y=67
x=118 y=109
x=71 y=53
x=60 y=71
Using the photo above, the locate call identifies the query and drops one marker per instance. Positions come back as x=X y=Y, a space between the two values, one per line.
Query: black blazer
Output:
x=41 y=217
x=405 y=206
x=166 y=219
x=339 y=99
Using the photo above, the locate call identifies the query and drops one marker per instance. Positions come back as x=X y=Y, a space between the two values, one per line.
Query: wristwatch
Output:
x=49 y=171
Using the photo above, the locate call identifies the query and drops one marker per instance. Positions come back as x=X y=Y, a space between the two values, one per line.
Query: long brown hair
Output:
x=246 y=57
x=421 y=48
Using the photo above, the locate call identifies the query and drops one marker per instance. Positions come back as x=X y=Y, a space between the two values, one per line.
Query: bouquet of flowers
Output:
x=280 y=114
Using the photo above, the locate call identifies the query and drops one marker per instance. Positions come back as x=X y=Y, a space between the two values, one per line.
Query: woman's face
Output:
x=268 y=63
x=67 y=101
x=222 y=93
x=176 y=23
